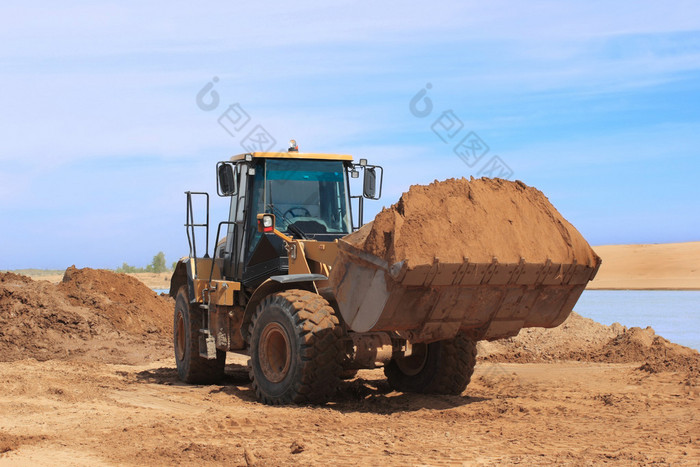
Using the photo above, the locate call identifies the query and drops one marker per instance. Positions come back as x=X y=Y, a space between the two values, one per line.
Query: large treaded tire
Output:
x=445 y=367
x=191 y=368
x=295 y=350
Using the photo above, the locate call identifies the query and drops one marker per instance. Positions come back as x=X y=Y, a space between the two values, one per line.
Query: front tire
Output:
x=295 y=350
x=443 y=367
x=191 y=368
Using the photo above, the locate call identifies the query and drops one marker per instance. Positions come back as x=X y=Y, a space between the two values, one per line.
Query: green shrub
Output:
x=157 y=265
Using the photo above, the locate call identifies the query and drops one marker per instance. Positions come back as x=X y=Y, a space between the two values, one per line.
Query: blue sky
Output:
x=595 y=103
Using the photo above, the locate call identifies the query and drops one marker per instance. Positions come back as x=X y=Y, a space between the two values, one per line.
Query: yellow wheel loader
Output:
x=309 y=308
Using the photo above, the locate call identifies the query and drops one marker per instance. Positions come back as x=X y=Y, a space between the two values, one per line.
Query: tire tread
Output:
x=196 y=370
x=447 y=373
x=318 y=331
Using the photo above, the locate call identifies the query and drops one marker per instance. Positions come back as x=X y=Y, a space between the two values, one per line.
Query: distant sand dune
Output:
x=672 y=266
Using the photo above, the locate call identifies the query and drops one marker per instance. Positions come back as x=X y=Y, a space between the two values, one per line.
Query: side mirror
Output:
x=227 y=179
x=369 y=189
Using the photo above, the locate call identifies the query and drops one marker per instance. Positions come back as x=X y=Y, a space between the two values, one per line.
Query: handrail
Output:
x=190 y=226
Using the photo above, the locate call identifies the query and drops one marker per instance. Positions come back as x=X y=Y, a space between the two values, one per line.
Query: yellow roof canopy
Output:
x=294 y=155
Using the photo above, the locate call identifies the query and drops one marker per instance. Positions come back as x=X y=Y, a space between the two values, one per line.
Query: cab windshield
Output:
x=307 y=197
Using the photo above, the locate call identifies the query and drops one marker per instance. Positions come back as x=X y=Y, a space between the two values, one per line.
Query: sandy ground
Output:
x=87 y=377
x=59 y=412
x=673 y=266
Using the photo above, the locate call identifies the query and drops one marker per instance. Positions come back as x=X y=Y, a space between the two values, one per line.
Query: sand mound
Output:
x=94 y=314
x=582 y=339
x=572 y=340
x=126 y=302
x=491 y=217
x=657 y=353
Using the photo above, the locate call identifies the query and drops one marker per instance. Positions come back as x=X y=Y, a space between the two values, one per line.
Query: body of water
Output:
x=673 y=314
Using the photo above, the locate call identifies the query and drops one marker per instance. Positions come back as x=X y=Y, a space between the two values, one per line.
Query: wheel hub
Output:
x=275 y=352
x=413 y=364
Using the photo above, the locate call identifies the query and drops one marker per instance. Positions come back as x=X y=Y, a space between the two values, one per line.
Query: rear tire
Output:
x=443 y=367
x=295 y=350
x=191 y=368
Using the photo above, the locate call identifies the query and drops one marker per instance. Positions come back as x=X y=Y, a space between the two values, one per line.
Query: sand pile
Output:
x=93 y=314
x=657 y=353
x=574 y=339
x=582 y=339
x=490 y=217
x=126 y=302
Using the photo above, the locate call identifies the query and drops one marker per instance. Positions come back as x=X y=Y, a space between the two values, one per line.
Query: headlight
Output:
x=266 y=222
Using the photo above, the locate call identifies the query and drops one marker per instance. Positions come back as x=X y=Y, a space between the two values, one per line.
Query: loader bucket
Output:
x=427 y=303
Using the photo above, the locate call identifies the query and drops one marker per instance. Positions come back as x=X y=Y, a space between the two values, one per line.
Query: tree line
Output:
x=157 y=265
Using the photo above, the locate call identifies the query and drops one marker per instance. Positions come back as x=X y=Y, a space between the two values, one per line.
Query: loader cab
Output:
x=309 y=198
x=309 y=195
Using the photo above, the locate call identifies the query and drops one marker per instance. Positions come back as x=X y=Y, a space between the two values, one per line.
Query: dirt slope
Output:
x=122 y=300
x=584 y=340
x=93 y=314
